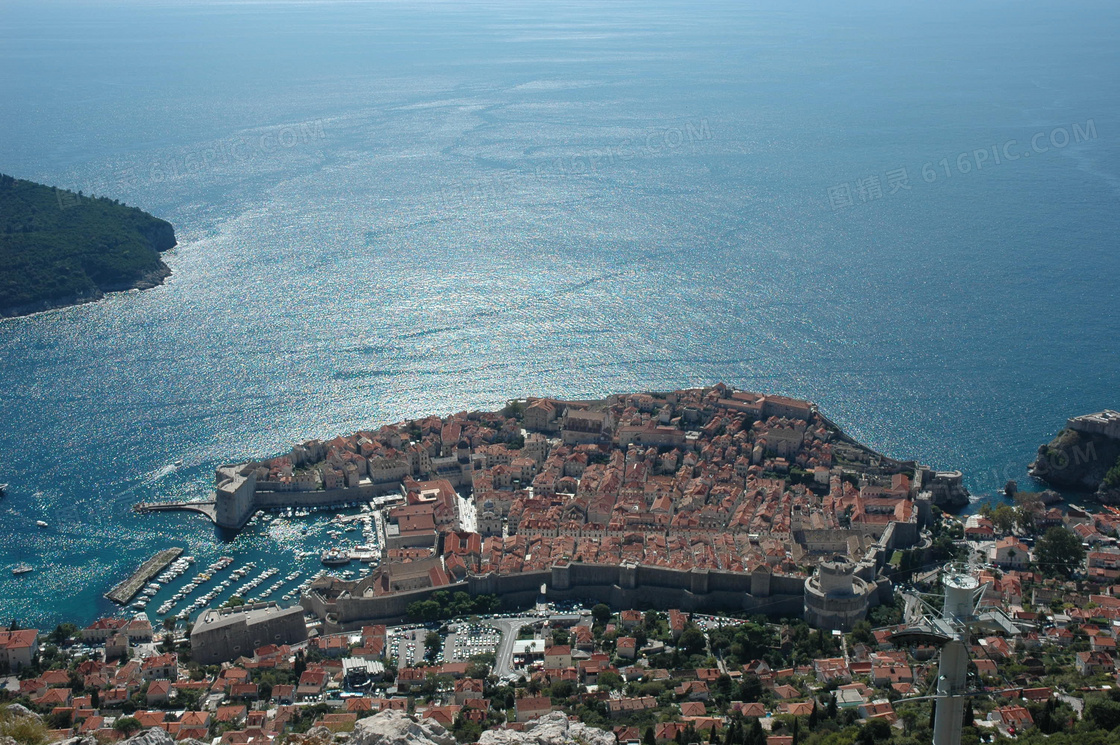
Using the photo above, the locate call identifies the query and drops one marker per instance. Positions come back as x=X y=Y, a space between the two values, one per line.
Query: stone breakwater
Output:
x=125 y=591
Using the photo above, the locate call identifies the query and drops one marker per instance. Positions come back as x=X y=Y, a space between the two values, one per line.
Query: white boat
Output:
x=19 y=569
x=3 y=489
x=41 y=524
x=335 y=557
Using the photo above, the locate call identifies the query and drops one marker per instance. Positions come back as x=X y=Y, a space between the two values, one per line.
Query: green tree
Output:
x=874 y=730
x=861 y=632
x=63 y=719
x=63 y=632
x=750 y=689
x=909 y=719
x=1104 y=713
x=601 y=613
x=1004 y=518
x=433 y=645
x=1027 y=506
x=562 y=689
x=609 y=681
x=1059 y=552
x=1112 y=478
x=648 y=737
x=127 y=726
x=692 y=640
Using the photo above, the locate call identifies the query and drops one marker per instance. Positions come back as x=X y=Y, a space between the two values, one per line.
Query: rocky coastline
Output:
x=1079 y=461
x=146 y=281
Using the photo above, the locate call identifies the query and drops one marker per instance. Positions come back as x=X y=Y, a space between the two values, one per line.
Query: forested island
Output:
x=59 y=247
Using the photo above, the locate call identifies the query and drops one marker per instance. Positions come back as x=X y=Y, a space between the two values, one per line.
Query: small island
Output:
x=60 y=248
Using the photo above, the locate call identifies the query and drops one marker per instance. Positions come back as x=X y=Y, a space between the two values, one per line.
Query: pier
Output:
x=206 y=508
x=126 y=590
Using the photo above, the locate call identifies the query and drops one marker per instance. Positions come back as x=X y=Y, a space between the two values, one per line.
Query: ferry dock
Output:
x=125 y=591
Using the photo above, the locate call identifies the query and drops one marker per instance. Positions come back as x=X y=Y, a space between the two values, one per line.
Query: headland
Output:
x=60 y=248
x=1084 y=456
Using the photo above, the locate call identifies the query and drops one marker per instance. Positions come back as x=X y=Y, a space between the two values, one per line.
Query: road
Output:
x=468 y=515
x=913 y=610
x=510 y=628
x=1077 y=703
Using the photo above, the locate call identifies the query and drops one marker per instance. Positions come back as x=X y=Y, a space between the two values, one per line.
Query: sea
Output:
x=905 y=211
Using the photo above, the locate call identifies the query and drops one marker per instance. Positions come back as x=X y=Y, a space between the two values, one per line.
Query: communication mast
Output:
x=950 y=627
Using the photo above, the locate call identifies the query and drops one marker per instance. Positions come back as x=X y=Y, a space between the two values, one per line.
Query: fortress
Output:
x=239 y=494
x=1106 y=423
x=835 y=597
x=346 y=606
x=223 y=634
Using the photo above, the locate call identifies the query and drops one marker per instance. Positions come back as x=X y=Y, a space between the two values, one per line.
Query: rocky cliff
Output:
x=1079 y=461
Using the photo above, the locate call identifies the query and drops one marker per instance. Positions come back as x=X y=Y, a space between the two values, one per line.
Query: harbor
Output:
x=125 y=591
x=313 y=545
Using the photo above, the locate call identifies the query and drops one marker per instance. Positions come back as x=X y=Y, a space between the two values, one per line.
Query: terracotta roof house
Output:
x=531 y=708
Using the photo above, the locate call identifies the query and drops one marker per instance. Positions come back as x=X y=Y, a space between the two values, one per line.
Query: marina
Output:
x=125 y=591
x=355 y=535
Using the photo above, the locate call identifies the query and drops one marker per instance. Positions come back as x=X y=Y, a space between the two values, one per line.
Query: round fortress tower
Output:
x=835 y=598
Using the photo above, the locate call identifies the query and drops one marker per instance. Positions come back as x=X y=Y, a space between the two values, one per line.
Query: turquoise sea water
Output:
x=391 y=209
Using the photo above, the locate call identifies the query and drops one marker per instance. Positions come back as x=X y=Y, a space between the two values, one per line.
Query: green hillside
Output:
x=60 y=248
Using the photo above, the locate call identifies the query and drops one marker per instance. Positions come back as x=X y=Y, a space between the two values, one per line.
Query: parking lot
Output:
x=491 y=634
x=464 y=641
x=471 y=640
x=407 y=645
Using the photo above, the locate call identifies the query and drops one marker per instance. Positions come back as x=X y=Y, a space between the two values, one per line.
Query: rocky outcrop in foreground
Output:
x=553 y=729
x=397 y=728
x=147 y=737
